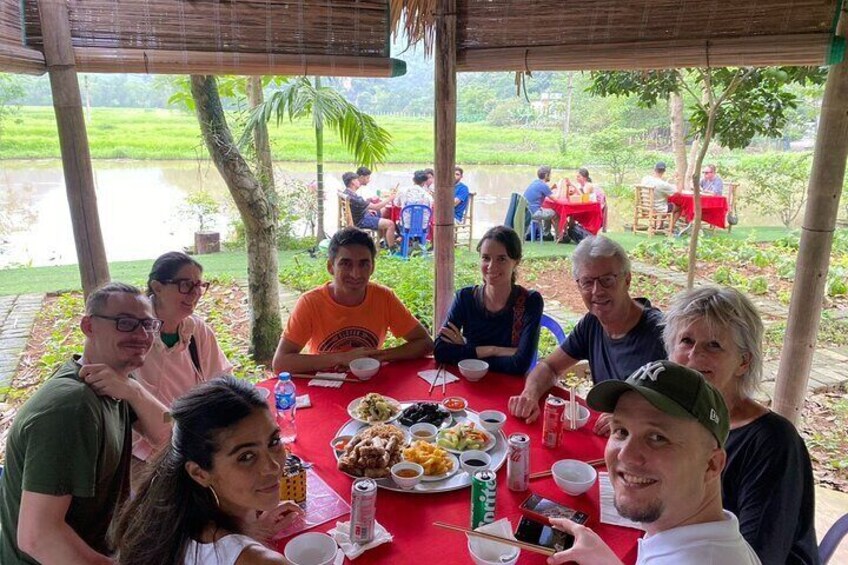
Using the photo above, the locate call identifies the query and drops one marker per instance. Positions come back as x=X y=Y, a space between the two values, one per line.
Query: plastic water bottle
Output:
x=285 y=396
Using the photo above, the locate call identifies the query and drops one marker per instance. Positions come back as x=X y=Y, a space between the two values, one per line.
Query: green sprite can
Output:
x=483 y=495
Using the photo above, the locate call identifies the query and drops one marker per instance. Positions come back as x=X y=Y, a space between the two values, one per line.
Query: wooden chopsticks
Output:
x=343 y=379
x=520 y=544
x=440 y=370
x=541 y=474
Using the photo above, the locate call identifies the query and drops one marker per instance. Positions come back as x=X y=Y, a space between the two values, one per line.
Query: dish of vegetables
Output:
x=374 y=408
x=465 y=437
x=425 y=413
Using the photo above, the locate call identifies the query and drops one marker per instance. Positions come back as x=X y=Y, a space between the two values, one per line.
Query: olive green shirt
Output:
x=67 y=440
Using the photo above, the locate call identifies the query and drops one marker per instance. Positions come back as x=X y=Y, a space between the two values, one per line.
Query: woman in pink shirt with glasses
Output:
x=185 y=352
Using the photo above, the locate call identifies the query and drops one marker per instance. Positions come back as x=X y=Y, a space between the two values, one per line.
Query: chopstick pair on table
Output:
x=440 y=370
x=541 y=474
x=520 y=544
x=343 y=379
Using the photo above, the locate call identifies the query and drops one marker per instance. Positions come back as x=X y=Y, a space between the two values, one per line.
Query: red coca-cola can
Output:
x=552 y=421
x=518 y=463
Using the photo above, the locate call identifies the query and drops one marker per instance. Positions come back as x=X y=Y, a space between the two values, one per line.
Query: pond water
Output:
x=142 y=210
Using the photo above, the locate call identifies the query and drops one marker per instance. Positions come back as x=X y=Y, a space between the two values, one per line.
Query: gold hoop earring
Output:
x=215 y=496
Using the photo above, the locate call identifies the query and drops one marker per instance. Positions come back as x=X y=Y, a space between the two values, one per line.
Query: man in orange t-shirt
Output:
x=349 y=317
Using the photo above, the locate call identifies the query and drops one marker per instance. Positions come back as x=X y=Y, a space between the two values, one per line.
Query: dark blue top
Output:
x=768 y=483
x=358 y=206
x=536 y=193
x=481 y=327
x=460 y=191
x=615 y=359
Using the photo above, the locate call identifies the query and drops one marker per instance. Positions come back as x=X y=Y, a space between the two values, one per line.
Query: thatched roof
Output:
x=347 y=37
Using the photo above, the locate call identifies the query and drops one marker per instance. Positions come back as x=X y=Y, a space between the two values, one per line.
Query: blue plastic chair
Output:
x=553 y=326
x=831 y=539
x=415 y=222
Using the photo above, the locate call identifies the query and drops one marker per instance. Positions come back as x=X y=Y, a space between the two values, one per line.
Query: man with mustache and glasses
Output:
x=68 y=452
x=348 y=317
x=617 y=335
x=665 y=456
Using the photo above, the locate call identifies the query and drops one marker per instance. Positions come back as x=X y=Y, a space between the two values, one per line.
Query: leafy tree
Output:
x=612 y=148
x=300 y=98
x=732 y=104
x=11 y=89
x=777 y=183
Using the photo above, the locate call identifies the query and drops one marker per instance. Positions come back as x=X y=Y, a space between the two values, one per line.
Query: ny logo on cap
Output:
x=714 y=415
x=649 y=371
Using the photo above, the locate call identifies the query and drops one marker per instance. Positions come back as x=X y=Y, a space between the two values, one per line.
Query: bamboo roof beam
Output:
x=153 y=61
x=14 y=59
x=756 y=51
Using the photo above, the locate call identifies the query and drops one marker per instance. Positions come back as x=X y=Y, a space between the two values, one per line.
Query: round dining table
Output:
x=409 y=516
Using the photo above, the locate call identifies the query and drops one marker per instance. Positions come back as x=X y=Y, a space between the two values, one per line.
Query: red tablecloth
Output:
x=713 y=208
x=409 y=517
x=589 y=214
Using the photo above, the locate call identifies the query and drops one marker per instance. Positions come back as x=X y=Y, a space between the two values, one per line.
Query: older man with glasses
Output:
x=68 y=452
x=617 y=335
x=711 y=183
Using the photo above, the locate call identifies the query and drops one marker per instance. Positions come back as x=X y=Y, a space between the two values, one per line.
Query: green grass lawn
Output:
x=233 y=264
x=133 y=133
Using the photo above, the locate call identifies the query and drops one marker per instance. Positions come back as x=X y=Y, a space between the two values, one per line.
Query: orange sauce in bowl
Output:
x=454 y=403
x=407 y=473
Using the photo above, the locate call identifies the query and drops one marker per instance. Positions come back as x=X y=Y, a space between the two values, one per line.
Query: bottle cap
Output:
x=285 y=376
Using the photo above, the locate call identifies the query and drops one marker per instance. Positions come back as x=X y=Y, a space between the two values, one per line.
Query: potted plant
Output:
x=202 y=206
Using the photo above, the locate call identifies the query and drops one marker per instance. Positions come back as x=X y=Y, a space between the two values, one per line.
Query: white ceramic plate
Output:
x=351 y=410
x=490 y=442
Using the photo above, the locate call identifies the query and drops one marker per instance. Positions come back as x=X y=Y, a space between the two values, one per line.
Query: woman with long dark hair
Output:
x=208 y=489
x=497 y=321
x=186 y=352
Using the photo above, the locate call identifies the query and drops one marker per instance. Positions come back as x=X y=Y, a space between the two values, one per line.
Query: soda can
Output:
x=483 y=496
x=518 y=463
x=552 y=421
x=363 y=508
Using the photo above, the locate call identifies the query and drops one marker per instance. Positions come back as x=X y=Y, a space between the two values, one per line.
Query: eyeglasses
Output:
x=127 y=324
x=606 y=281
x=186 y=286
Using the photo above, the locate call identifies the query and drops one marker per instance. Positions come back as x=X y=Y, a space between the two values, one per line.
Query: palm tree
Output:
x=301 y=98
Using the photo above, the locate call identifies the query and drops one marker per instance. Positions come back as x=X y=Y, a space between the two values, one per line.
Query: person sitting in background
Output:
x=662 y=190
x=185 y=352
x=349 y=317
x=68 y=451
x=665 y=457
x=617 y=335
x=460 y=195
x=415 y=194
x=215 y=490
x=582 y=184
x=499 y=321
x=535 y=194
x=364 y=175
x=768 y=479
x=431 y=178
x=364 y=213
x=711 y=183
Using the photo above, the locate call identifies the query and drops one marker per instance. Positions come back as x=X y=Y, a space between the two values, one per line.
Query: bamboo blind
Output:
x=14 y=56
x=10 y=23
x=308 y=27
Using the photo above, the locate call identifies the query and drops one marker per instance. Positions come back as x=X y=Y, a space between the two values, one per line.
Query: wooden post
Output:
x=445 y=152
x=76 y=159
x=826 y=179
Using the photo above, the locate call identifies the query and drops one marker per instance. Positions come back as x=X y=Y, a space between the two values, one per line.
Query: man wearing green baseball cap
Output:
x=665 y=456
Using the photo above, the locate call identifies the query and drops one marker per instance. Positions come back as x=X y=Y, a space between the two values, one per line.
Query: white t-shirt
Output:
x=225 y=551
x=662 y=190
x=711 y=543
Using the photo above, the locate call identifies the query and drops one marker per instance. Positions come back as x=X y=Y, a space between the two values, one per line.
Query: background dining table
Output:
x=714 y=207
x=409 y=516
x=589 y=214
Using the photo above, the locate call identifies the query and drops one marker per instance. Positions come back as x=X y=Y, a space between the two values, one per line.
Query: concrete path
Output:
x=17 y=315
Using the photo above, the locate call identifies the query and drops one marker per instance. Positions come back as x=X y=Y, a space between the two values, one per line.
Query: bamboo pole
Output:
x=445 y=152
x=155 y=61
x=73 y=142
x=823 y=191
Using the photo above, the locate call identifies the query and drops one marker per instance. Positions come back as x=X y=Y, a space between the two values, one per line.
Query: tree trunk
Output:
x=826 y=180
x=678 y=138
x=264 y=163
x=257 y=211
x=691 y=167
x=319 y=169
x=569 y=93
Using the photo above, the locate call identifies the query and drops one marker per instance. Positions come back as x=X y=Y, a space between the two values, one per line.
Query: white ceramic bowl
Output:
x=339 y=443
x=473 y=369
x=574 y=477
x=508 y=554
x=582 y=417
x=475 y=455
x=311 y=548
x=364 y=368
x=424 y=432
x=498 y=420
x=407 y=483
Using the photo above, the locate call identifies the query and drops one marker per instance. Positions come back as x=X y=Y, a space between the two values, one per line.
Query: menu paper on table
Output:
x=322 y=505
x=609 y=515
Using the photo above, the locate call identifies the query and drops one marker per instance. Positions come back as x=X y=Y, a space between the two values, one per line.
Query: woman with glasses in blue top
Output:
x=185 y=352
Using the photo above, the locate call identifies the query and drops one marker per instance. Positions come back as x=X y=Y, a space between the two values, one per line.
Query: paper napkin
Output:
x=430 y=376
x=327 y=383
x=341 y=533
